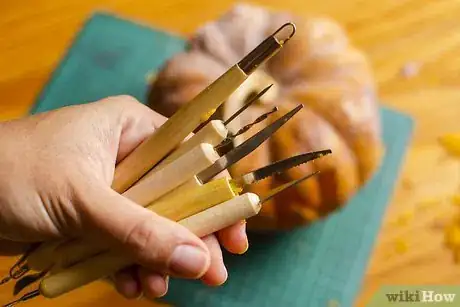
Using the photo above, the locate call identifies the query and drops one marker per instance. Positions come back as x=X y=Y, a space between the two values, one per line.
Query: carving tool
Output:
x=213 y=132
x=40 y=259
x=190 y=201
x=148 y=189
x=201 y=224
x=174 y=175
x=192 y=162
x=183 y=122
x=190 y=116
x=227 y=142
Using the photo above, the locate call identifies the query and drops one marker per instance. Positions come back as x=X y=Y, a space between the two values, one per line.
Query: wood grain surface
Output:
x=414 y=48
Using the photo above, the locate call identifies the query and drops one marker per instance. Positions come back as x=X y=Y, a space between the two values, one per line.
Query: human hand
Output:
x=56 y=170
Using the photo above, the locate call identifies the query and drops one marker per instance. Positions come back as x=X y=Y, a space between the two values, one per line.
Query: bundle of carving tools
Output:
x=176 y=179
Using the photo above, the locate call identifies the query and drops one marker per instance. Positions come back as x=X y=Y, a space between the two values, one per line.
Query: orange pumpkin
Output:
x=319 y=68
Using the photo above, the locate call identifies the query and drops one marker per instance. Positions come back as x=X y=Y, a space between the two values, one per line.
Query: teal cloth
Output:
x=307 y=267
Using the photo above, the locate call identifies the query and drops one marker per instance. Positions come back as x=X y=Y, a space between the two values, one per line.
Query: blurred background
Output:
x=413 y=47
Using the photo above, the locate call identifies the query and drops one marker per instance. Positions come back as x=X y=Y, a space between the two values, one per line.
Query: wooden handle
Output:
x=173 y=175
x=176 y=129
x=188 y=199
x=65 y=254
x=213 y=133
x=204 y=223
x=143 y=193
x=223 y=215
x=41 y=258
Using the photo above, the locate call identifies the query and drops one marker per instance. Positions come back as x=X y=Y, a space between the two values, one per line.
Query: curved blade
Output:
x=245 y=148
x=286 y=186
x=281 y=166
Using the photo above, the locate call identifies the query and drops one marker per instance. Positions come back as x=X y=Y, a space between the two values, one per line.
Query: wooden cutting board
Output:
x=413 y=46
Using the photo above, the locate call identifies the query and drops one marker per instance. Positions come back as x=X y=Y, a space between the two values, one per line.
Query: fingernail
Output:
x=243 y=235
x=223 y=274
x=188 y=261
x=218 y=279
x=166 y=287
x=158 y=286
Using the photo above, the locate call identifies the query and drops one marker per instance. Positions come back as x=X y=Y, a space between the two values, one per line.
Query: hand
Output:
x=56 y=170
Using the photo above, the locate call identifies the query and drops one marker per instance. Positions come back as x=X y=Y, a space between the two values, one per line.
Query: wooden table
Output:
x=418 y=34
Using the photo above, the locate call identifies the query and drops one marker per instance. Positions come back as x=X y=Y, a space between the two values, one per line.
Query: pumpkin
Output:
x=319 y=68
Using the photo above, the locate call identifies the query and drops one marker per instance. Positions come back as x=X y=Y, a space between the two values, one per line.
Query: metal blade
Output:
x=286 y=186
x=20 y=267
x=226 y=145
x=245 y=148
x=281 y=166
x=27 y=280
x=255 y=98
x=25 y=297
x=238 y=112
x=5 y=280
x=255 y=122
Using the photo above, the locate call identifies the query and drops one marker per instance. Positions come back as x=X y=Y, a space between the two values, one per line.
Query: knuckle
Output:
x=124 y=101
x=148 y=244
x=139 y=237
x=128 y=99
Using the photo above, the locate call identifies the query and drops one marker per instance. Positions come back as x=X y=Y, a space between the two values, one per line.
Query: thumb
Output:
x=153 y=241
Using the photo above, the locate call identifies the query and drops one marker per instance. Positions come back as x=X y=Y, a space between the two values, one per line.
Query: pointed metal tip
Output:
x=5 y=280
x=266 y=89
x=25 y=297
x=261 y=93
x=286 y=186
x=248 y=146
x=11 y=304
x=291 y=113
x=247 y=105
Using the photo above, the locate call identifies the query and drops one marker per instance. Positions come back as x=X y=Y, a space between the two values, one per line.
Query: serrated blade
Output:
x=245 y=148
x=280 y=166
x=286 y=186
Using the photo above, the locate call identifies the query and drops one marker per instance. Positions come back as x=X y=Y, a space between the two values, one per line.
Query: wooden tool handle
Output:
x=176 y=129
x=173 y=175
x=223 y=215
x=144 y=193
x=41 y=258
x=213 y=133
x=204 y=223
x=187 y=200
